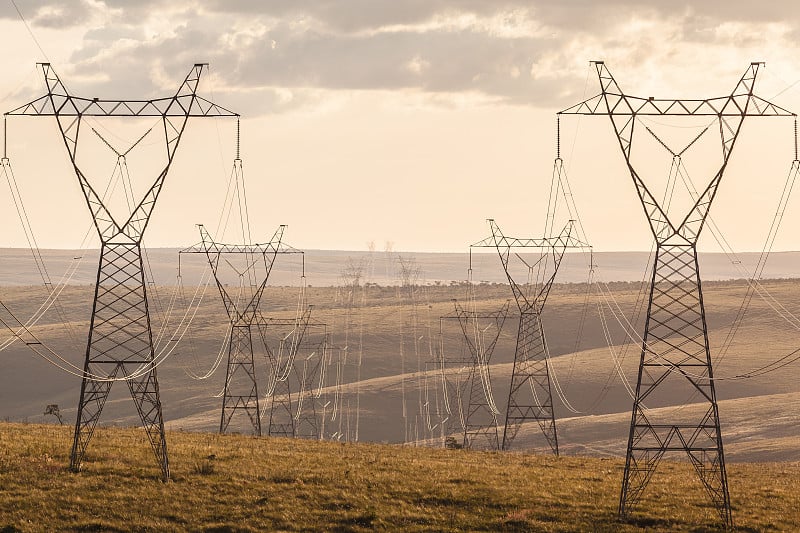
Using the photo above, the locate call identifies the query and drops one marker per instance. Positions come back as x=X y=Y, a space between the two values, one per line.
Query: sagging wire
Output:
x=676 y=171
x=481 y=357
x=51 y=301
x=754 y=284
x=35 y=250
x=370 y=269
x=122 y=172
x=160 y=355
x=442 y=371
x=614 y=357
x=560 y=187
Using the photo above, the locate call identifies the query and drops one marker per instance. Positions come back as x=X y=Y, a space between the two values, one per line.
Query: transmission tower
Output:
x=351 y=298
x=481 y=332
x=311 y=380
x=407 y=292
x=282 y=417
x=241 y=386
x=675 y=344
x=120 y=342
x=529 y=397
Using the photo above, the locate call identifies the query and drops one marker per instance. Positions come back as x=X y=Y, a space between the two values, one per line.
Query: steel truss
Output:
x=675 y=344
x=120 y=341
x=241 y=386
x=311 y=380
x=283 y=421
x=480 y=419
x=529 y=397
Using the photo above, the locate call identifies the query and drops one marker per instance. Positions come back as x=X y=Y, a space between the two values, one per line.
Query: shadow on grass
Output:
x=97 y=526
x=225 y=528
x=649 y=522
x=360 y=522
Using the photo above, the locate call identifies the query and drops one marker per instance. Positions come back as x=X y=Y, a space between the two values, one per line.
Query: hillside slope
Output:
x=396 y=395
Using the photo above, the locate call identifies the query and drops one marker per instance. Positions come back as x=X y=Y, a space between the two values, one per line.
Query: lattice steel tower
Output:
x=675 y=348
x=120 y=336
x=311 y=379
x=241 y=385
x=529 y=397
x=480 y=419
x=283 y=421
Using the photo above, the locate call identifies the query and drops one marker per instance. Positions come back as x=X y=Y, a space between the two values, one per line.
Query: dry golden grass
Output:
x=236 y=483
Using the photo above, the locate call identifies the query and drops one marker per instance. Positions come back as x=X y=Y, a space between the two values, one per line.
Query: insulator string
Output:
x=238 y=138
x=558 y=136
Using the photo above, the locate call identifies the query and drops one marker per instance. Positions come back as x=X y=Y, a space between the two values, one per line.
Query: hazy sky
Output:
x=402 y=121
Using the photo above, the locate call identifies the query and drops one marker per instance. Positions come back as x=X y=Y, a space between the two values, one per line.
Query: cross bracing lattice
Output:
x=241 y=384
x=120 y=344
x=296 y=349
x=530 y=398
x=481 y=331
x=675 y=347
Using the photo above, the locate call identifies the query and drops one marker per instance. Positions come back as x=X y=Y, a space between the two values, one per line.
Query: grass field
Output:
x=238 y=483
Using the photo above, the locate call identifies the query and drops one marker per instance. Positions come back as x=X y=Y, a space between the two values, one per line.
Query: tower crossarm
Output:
x=729 y=112
x=556 y=246
x=612 y=101
x=266 y=252
x=299 y=326
x=58 y=102
x=70 y=110
x=478 y=346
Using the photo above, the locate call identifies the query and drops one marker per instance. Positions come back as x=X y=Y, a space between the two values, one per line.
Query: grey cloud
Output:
x=352 y=15
x=334 y=52
x=28 y=9
x=62 y=16
x=431 y=61
x=112 y=33
x=355 y=15
x=47 y=13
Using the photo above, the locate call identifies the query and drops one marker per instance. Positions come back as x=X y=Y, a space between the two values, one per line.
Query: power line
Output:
x=30 y=31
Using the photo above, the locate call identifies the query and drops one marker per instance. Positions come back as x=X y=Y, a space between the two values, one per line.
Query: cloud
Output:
x=47 y=13
x=260 y=52
x=514 y=51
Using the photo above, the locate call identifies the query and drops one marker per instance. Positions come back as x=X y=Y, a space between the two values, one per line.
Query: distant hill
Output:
x=324 y=267
x=379 y=380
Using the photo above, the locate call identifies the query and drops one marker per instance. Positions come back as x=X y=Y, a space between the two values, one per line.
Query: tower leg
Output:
x=529 y=397
x=120 y=339
x=241 y=389
x=675 y=365
x=144 y=390
x=90 y=404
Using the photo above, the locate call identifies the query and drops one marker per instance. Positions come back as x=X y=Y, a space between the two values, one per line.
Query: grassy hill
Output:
x=238 y=483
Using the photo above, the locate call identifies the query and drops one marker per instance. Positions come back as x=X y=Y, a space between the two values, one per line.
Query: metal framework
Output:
x=675 y=345
x=529 y=397
x=241 y=386
x=311 y=380
x=120 y=341
x=480 y=418
x=283 y=421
